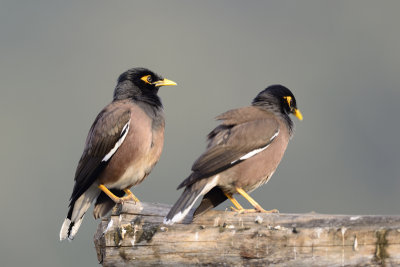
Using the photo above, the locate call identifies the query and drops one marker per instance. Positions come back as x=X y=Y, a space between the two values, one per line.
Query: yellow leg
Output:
x=116 y=199
x=234 y=201
x=254 y=203
x=110 y=194
x=129 y=196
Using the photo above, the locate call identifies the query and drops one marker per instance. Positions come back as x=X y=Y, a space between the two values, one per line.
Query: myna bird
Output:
x=123 y=145
x=243 y=152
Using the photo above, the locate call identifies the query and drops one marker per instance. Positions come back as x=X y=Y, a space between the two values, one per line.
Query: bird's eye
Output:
x=147 y=79
x=289 y=100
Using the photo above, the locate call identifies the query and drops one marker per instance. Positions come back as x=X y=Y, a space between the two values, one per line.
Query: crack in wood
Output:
x=225 y=238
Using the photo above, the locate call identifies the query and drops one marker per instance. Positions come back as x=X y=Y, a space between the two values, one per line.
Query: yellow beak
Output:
x=298 y=114
x=164 y=82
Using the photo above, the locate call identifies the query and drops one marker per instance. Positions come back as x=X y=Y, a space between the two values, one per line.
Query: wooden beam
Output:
x=135 y=235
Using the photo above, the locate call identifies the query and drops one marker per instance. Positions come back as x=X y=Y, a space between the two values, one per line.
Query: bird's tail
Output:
x=76 y=213
x=188 y=198
x=104 y=203
x=210 y=200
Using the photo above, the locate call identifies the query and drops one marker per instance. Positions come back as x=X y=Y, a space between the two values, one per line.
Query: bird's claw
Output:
x=258 y=209
x=122 y=200
x=240 y=211
x=266 y=211
x=272 y=211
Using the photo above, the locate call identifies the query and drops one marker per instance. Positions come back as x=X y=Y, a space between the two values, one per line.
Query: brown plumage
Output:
x=243 y=152
x=123 y=145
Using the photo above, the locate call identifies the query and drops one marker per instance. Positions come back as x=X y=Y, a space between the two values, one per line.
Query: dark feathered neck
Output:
x=289 y=123
x=152 y=101
x=274 y=107
x=127 y=90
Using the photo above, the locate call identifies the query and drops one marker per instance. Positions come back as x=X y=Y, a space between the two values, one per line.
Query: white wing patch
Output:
x=254 y=152
x=258 y=150
x=121 y=139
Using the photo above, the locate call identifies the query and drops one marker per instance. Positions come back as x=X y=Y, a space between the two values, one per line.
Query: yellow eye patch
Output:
x=288 y=100
x=146 y=79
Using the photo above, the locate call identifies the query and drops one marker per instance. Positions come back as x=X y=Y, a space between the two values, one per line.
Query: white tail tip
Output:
x=66 y=228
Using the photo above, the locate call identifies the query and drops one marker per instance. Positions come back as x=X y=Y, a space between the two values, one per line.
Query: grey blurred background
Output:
x=60 y=61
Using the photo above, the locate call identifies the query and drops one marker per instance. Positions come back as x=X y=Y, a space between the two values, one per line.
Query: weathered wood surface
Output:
x=134 y=235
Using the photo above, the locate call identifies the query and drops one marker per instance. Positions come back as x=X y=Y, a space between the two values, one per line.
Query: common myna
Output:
x=242 y=154
x=123 y=145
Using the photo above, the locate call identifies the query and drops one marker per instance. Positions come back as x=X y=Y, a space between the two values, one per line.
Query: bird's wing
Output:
x=231 y=144
x=105 y=137
x=242 y=115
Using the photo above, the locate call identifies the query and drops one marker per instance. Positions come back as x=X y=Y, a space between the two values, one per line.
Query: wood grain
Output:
x=134 y=235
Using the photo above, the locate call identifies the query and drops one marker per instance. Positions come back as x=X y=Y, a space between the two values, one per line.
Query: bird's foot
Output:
x=240 y=211
x=129 y=196
x=119 y=200
x=122 y=200
x=271 y=211
x=258 y=209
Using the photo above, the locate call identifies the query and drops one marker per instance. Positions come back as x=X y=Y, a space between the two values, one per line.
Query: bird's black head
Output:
x=140 y=84
x=278 y=98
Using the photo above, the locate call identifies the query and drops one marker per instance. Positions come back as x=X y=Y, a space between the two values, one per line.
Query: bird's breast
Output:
x=137 y=156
